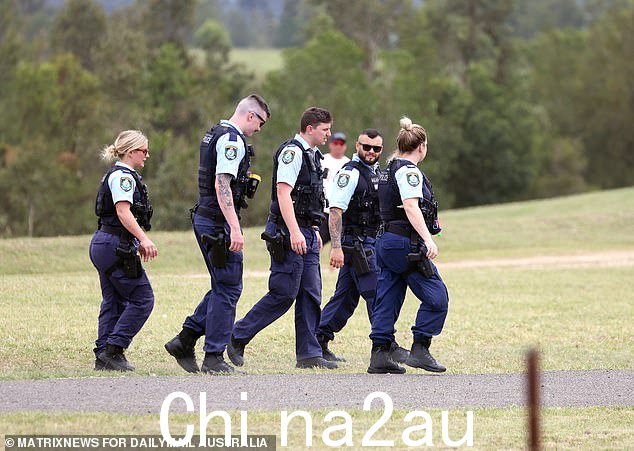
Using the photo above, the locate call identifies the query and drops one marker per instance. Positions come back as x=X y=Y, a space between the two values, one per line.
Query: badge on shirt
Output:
x=125 y=183
x=231 y=152
x=342 y=180
x=412 y=178
x=288 y=156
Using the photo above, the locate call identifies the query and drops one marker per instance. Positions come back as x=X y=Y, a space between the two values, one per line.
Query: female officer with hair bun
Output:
x=404 y=251
x=124 y=211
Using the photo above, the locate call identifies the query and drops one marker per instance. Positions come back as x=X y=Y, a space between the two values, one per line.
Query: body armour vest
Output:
x=308 y=193
x=207 y=170
x=390 y=198
x=141 y=207
x=362 y=215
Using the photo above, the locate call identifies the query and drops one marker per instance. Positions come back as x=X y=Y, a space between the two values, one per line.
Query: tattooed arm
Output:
x=225 y=201
x=335 y=227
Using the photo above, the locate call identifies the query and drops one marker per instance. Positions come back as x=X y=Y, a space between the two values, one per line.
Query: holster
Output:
x=129 y=261
x=358 y=256
x=218 y=246
x=420 y=262
x=279 y=245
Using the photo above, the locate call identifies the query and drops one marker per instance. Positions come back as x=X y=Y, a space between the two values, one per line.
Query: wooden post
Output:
x=533 y=399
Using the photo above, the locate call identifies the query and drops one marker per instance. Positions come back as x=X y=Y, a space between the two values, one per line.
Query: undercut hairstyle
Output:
x=410 y=136
x=253 y=102
x=371 y=133
x=126 y=142
x=314 y=116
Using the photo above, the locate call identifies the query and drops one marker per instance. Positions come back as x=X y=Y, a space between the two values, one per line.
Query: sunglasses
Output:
x=368 y=147
x=145 y=151
x=262 y=121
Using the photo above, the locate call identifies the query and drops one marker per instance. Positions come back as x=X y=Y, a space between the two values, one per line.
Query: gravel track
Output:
x=143 y=395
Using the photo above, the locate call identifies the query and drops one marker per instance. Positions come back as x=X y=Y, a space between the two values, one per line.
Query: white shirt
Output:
x=333 y=165
x=289 y=162
x=122 y=185
x=410 y=182
x=229 y=151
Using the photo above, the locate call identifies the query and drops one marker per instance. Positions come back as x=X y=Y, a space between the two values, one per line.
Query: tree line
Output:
x=514 y=110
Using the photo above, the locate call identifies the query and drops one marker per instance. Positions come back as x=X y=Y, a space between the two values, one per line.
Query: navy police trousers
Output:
x=216 y=312
x=349 y=288
x=126 y=304
x=297 y=278
x=394 y=278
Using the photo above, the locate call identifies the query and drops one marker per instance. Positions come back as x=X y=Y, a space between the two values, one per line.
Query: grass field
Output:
x=579 y=315
x=259 y=61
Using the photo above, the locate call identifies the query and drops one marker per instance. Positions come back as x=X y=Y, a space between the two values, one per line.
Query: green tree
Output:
x=213 y=37
x=78 y=28
x=168 y=21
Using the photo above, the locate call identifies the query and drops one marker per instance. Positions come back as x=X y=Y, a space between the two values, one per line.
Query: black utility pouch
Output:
x=219 y=248
x=130 y=262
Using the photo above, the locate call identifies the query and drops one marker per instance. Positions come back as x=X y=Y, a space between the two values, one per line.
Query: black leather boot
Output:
x=215 y=363
x=398 y=354
x=113 y=358
x=235 y=351
x=182 y=348
x=327 y=353
x=419 y=357
x=382 y=363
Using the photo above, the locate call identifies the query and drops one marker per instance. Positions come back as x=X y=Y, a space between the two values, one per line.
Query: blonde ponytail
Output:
x=127 y=141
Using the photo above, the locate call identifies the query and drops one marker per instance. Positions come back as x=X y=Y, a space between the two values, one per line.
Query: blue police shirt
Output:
x=229 y=151
x=122 y=185
x=410 y=181
x=344 y=183
x=290 y=161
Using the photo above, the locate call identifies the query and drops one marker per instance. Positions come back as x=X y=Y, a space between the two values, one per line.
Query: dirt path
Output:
x=145 y=395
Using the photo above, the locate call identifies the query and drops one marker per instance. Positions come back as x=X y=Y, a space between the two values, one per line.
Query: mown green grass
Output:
x=578 y=316
x=259 y=61
x=493 y=429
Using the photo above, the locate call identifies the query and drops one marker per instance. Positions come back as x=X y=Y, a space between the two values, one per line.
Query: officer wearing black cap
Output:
x=293 y=240
x=404 y=251
x=354 y=220
x=224 y=183
x=124 y=210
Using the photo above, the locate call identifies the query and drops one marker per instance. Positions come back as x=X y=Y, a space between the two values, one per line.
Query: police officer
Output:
x=404 y=249
x=224 y=183
x=297 y=203
x=354 y=220
x=124 y=210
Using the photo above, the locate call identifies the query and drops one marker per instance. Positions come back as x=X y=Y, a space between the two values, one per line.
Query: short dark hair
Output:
x=371 y=133
x=261 y=103
x=315 y=116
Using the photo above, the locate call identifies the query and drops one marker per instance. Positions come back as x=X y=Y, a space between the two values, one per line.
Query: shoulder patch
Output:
x=342 y=180
x=288 y=156
x=231 y=152
x=412 y=178
x=125 y=183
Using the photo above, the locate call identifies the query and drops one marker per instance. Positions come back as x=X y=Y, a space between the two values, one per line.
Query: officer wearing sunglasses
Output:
x=354 y=220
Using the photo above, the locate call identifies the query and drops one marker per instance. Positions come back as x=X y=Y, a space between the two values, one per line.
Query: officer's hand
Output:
x=336 y=257
x=147 y=249
x=237 y=240
x=298 y=243
x=432 y=249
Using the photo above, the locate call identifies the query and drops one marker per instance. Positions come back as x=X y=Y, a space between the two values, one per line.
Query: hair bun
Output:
x=406 y=123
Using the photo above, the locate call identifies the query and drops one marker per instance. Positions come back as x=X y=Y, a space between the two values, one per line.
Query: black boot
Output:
x=215 y=363
x=99 y=365
x=381 y=362
x=316 y=362
x=327 y=353
x=235 y=351
x=419 y=357
x=113 y=358
x=182 y=348
x=398 y=354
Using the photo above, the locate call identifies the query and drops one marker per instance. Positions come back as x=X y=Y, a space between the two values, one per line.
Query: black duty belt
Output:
x=302 y=222
x=398 y=228
x=209 y=213
x=121 y=232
